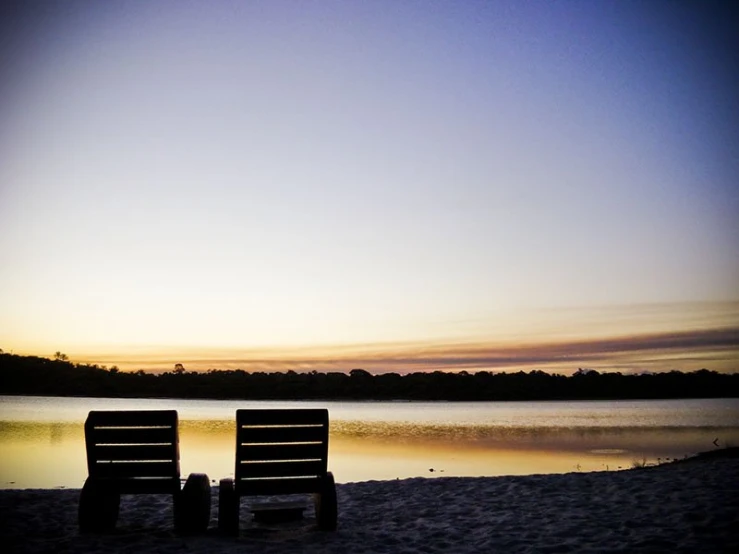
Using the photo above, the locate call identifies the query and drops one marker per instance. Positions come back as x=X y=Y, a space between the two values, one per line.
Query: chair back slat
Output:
x=293 y=451
x=133 y=470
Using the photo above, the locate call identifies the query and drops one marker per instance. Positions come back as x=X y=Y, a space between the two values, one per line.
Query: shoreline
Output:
x=689 y=505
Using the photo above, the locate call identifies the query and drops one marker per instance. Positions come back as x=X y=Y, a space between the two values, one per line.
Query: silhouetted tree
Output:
x=32 y=375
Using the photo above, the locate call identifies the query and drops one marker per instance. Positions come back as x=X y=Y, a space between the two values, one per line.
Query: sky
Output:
x=399 y=186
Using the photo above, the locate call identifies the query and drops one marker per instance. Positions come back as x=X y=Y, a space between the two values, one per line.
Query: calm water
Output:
x=42 y=438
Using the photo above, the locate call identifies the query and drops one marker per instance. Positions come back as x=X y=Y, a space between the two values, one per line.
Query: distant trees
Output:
x=31 y=375
x=60 y=357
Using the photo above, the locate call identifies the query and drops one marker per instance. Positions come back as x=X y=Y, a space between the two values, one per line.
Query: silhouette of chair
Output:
x=137 y=452
x=280 y=452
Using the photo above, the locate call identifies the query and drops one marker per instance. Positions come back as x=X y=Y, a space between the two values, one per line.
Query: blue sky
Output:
x=202 y=181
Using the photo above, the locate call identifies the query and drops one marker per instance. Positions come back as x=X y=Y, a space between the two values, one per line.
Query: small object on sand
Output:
x=715 y=442
x=277 y=512
x=431 y=470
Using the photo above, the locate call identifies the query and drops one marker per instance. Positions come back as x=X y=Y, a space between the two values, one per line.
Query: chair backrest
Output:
x=281 y=451
x=134 y=451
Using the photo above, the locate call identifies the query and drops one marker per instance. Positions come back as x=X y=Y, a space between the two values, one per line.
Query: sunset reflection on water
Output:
x=45 y=454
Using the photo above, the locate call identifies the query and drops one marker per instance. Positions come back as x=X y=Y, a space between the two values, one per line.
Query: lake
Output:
x=42 y=441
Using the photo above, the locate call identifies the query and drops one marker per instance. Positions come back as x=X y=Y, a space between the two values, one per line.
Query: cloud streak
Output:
x=714 y=348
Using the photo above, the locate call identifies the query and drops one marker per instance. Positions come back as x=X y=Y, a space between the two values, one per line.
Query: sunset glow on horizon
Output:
x=689 y=345
x=394 y=186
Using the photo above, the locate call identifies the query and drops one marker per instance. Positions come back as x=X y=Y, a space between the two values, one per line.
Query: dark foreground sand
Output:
x=692 y=506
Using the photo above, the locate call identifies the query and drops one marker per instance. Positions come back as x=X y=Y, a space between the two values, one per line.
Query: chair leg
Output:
x=326 y=504
x=192 y=505
x=228 y=508
x=98 y=508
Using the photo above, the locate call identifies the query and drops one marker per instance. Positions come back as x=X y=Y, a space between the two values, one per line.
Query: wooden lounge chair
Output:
x=137 y=452
x=280 y=452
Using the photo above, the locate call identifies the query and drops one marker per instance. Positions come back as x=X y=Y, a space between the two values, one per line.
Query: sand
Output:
x=682 y=507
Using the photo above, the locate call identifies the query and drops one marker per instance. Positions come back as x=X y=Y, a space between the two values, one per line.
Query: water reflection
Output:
x=622 y=413
x=51 y=454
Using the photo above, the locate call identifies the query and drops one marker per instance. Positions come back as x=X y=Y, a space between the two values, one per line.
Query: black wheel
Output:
x=99 y=507
x=326 y=504
x=228 y=508
x=192 y=505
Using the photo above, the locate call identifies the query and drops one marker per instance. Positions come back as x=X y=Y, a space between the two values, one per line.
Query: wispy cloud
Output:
x=685 y=350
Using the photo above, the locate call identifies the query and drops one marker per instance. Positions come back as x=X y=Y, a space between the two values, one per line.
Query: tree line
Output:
x=33 y=375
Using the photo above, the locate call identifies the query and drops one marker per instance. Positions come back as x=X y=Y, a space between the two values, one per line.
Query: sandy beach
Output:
x=691 y=506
